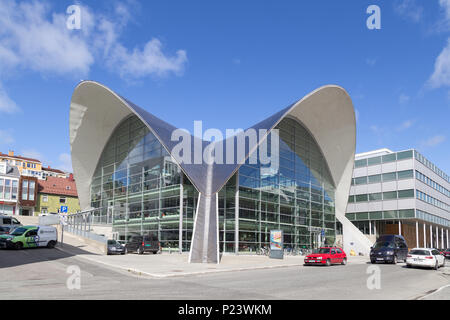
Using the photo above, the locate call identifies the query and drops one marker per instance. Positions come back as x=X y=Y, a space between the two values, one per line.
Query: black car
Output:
x=115 y=247
x=389 y=249
x=142 y=244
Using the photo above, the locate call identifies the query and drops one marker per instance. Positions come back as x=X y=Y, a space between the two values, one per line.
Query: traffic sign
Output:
x=63 y=209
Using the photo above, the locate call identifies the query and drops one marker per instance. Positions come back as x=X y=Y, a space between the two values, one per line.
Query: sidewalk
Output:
x=175 y=264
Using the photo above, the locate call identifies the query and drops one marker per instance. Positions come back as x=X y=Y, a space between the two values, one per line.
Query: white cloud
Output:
x=406 y=125
x=6 y=104
x=33 y=38
x=6 y=137
x=32 y=153
x=65 y=162
x=40 y=43
x=441 y=74
x=148 y=61
x=409 y=9
x=403 y=98
x=434 y=141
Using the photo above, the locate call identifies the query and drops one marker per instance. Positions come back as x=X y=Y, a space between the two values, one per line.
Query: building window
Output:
x=62 y=200
x=45 y=198
x=25 y=190
x=44 y=210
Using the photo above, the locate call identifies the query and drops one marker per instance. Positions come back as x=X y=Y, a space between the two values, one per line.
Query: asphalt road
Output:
x=42 y=274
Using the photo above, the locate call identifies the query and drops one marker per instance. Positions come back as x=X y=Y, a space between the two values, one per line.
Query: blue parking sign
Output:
x=63 y=209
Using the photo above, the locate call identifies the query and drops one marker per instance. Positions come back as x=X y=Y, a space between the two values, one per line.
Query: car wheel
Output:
x=155 y=252
x=51 y=244
x=373 y=261
x=328 y=262
x=19 y=245
x=344 y=261
x=408 y=266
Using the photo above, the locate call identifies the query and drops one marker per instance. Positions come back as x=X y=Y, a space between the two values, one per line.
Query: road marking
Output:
x=434 y=291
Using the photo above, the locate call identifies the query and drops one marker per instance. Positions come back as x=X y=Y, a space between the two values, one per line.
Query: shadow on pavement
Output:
x=12 y=258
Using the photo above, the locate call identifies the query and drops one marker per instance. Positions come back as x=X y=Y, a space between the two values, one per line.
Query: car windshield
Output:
x=384 y=244
x=18 y=231
x=322 y=250
x=112 y=242
x=420 y=252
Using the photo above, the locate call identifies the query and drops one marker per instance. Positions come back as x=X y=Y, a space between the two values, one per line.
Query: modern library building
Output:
x=400 y=193
x=130 y=179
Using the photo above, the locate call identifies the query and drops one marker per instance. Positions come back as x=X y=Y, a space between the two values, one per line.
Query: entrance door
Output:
x=315 y=240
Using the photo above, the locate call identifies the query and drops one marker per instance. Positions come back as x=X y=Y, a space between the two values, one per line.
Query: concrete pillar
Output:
x=399 y=227
x=180 y=226
x=375 y=228
x=447 y=238
x=236 y=217
x=424 y=236
x=417 y=234
x=442 y=238
x=446 y=232
x=431 y=236
x=205 y=236
x=370 y=228
x=437 y=237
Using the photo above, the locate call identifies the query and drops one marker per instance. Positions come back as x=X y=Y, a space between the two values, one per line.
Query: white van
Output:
x=30 y=237
x=9 y=221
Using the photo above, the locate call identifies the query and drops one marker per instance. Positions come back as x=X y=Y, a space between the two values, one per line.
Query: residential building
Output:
x=50 y=172
x=9 y=185
x=400 y=193
x=57 y=195
x=27 y=195
x=27 y=166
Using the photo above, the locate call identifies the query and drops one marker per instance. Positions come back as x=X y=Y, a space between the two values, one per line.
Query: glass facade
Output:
x=139 y=188
x=297 y=198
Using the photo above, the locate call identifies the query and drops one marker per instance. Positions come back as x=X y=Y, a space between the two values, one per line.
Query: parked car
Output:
x=425 y=257
x=6 y=229
x=30 y=237
x=389 y=249
x=447 y=253
x=142 y=244
x=115 y=247
x=326 y=256
x=9 y=221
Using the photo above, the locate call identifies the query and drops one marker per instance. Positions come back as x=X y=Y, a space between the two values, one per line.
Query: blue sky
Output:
x=210 y=60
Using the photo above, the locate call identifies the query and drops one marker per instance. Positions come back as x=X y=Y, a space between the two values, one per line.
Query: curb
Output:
x=181 y=274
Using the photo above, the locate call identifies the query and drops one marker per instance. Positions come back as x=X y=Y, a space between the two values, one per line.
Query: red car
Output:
x=446 y=253
x=326 y=256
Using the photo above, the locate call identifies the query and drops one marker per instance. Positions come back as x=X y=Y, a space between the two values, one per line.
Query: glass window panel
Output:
x=406 y=193
x=406 y=174
x=373 y=161
x=391 y=176
x=375 y=178
x=405 y=155
x=360 y=163
x=389 y=158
